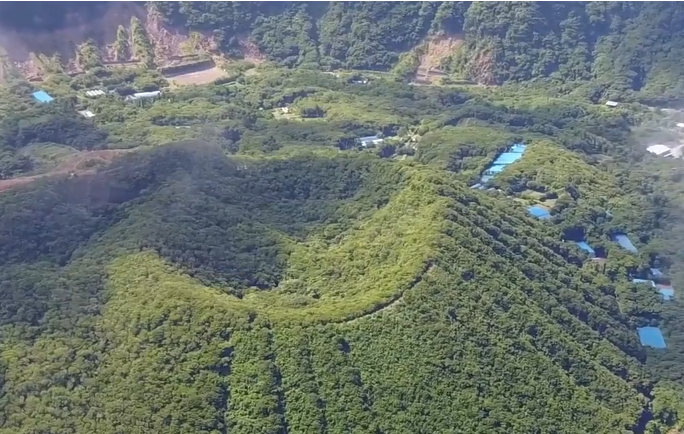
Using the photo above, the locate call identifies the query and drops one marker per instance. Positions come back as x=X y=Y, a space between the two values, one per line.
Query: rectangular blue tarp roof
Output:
x=496 y=168
x=539 y=212
x=507 y=158
x=624 y=242
x=586 y=247
x=42 y=96
x=656 y=272
x=651 y=337
x=667 y=293
x=650 y=282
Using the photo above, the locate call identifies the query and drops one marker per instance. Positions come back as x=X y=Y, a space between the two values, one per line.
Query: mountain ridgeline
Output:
x=358 y=294
x=613 y=48
x=286 y=250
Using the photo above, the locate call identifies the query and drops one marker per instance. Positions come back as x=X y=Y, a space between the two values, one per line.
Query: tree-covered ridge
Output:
x=620 y=47
x=310 y=283
x=593 y=49
x=358 y=334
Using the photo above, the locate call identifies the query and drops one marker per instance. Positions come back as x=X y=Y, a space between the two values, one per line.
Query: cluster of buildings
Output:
x=649 y=336
x=43 y=97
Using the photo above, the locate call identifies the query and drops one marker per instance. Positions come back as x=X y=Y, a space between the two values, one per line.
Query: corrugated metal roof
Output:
x=93 y=93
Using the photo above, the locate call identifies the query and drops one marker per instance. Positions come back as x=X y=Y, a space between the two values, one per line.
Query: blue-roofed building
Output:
x=641 y=281
x=656 y=273
x=624 y=241
x=666 y=292
x=495 y=169
x=512 y=155
x=42 y=96
x=651 y=337
x=586 y=247
x=539 y=212
x=507 y=158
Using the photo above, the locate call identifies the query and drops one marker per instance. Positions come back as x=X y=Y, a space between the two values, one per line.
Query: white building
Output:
x=658 y=149
x=611 y=103
x=94 y=93
x=86 y=113
x=143 y=95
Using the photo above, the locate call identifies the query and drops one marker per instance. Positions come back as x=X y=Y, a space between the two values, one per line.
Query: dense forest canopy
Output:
x=618 y=47
x=233 y=257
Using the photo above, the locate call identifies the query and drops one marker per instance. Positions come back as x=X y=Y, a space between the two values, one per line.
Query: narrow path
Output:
x=385 y=307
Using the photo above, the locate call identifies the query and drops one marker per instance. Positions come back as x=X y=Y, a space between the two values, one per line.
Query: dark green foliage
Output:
x=594 y=49
x=528 y=322
x=307 y=285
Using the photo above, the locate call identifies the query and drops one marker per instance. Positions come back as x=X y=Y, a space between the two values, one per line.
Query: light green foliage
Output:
x=122 y=49
x=143 y=49
x=270 y=275
x=88 y=56
x=383 y=268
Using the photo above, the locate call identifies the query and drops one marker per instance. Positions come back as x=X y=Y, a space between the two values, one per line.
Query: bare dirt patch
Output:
x=437 y=49
x=197 y=77
x=83 y=163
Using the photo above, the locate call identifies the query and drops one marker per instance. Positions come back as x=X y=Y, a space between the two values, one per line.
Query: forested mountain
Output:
x=232 y=257
x=180 y=291
x=620 y=47
x=275 y=276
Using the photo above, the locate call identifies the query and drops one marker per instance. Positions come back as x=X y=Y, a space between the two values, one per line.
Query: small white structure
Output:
x=143 y=95
x=370 y=140
x=611 y=103
x=658 y=149
x=94 y=93
x=86 y=113
x=680 y=124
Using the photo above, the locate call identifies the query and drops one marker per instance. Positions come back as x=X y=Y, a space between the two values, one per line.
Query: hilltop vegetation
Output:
x=324 y=271
x=317 y=242
x=252 y=267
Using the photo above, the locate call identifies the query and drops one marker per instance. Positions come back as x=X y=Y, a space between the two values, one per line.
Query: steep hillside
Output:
x=619 y=48
x=189 y=293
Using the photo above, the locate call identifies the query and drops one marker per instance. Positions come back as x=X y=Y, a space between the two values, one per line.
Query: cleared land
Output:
x=81 y=163
x=204 y=76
